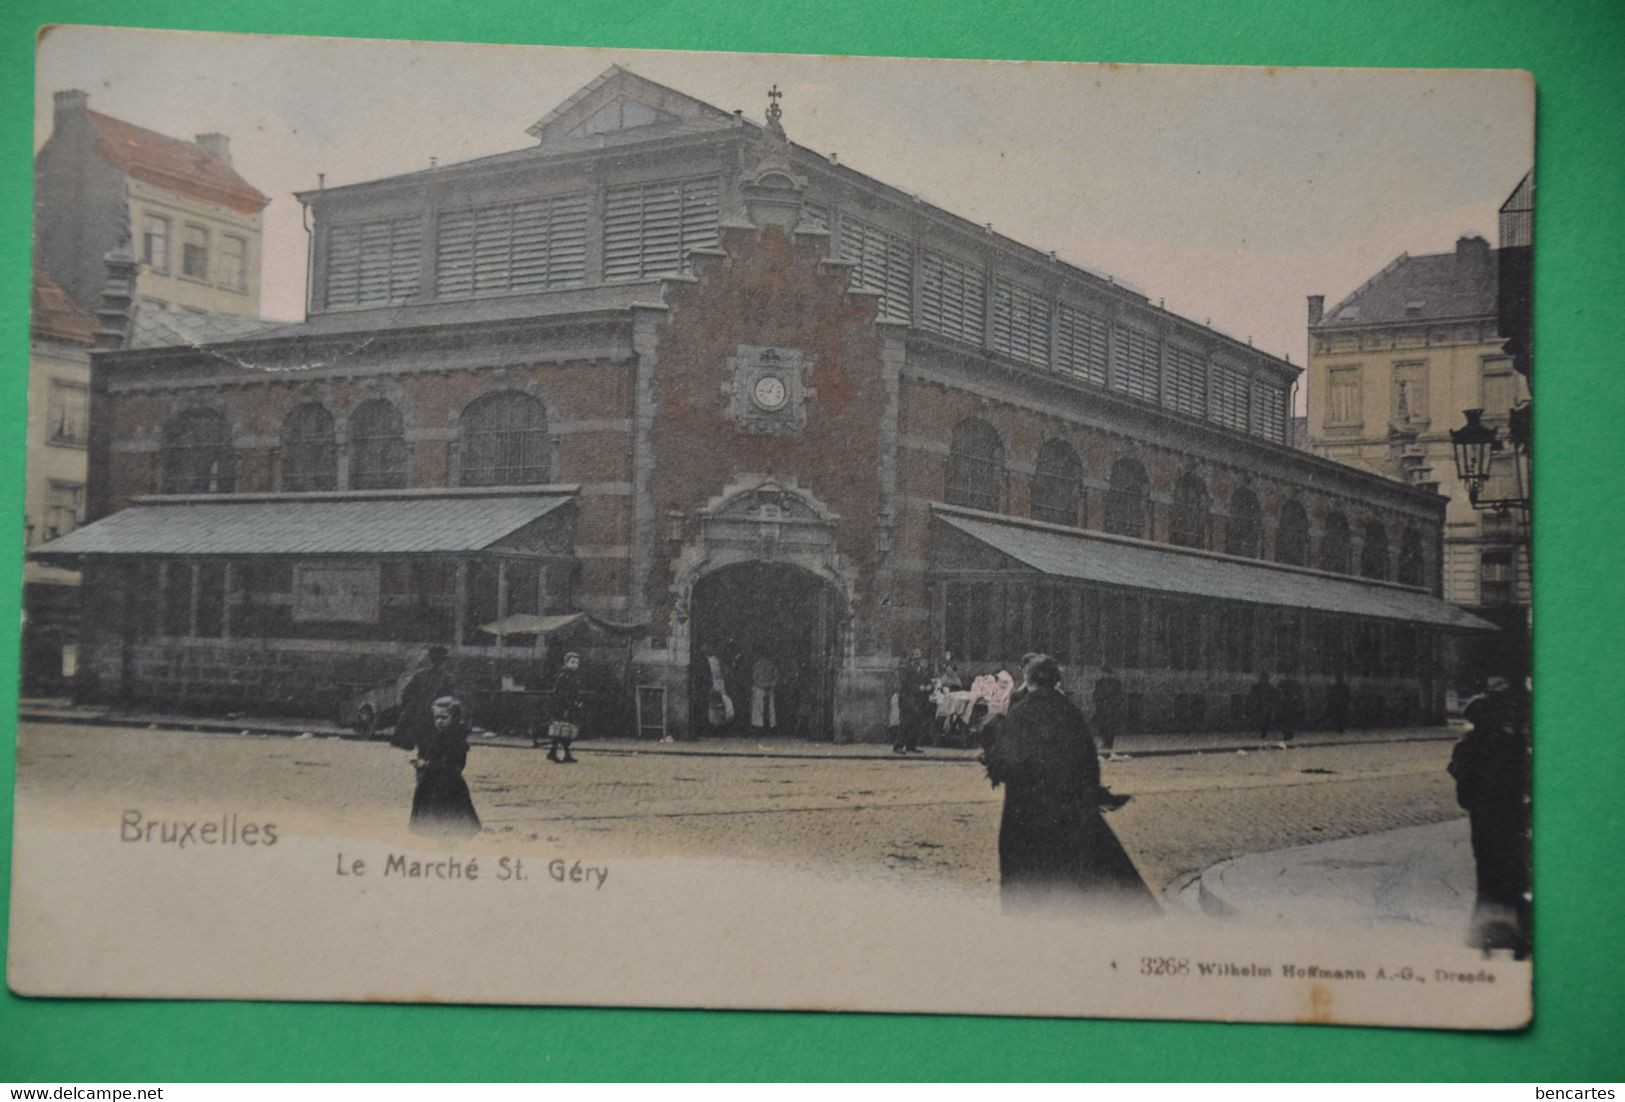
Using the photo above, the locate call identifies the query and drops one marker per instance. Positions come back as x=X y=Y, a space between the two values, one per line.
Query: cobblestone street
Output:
x=919 y=818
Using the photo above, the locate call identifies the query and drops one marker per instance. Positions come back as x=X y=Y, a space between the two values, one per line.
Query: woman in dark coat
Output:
x=1055 y=848
x=1491 y=765
x=441 y=805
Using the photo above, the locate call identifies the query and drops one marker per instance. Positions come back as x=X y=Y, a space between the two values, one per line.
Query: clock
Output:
x=766 y=389
x=770 y=392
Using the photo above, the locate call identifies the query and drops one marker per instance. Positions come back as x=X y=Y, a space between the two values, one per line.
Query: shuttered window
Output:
x=1269 y=411
x=883 y=262
x=1020 y=322
x=1080 y=344
x=1230 y=397
x=373 y=261
x=1136 y=370
x=512 y=247
x=1187 y=381
x=649 y=229
x=951 y=298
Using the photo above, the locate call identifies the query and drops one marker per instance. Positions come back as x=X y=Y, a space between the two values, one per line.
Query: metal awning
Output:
x=1138 y=565
x=528 y=623
x=404 y=525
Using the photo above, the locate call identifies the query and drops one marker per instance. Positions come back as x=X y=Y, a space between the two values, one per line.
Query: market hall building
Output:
x=671 y=369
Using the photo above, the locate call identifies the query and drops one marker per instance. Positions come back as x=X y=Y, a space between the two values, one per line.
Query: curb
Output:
x=942 y=756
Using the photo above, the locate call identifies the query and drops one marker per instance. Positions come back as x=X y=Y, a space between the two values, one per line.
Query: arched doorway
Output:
x=754 y=611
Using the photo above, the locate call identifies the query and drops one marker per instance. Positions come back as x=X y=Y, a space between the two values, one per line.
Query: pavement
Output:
x=1417 y=876
x=52 y=710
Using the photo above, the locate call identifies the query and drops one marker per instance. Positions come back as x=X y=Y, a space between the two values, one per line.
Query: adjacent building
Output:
x=1391 y=368
x=191 y=221
x=669 y=368
x=61 y=336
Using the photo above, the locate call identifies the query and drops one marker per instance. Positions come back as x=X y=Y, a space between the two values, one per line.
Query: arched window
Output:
x=1058 y=484
x=1334 y=545
x=1127 y=496
x=1187 y=523
x=1374 y=552
x=1410 y=558
x=504 y=441
x=195 y=456
x=310 y=452
x=1242 y=528
x=378 y=455
x=1292 y=535
x=975 y=466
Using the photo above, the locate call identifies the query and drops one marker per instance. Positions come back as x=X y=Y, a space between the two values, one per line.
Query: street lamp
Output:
x=1476 y=446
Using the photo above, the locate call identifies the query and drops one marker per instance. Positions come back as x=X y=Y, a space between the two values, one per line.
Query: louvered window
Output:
x=1136 y=370
x=1269 y=411
x=1230 y=397
x=1020 y=322
x=1187 y=381
x=512 y=247
x=812 y=214
x=884 y=263
x=371 y=262
x=952 y=298
x=1080 y=344
x=649 y=229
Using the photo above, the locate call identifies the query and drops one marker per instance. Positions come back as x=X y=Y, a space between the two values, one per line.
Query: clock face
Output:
x=770 y=392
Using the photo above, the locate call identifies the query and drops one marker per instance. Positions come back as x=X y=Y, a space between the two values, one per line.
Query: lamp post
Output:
x=1476 y=445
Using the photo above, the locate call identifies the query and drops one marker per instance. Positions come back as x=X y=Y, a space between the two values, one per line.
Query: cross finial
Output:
x=774 y=111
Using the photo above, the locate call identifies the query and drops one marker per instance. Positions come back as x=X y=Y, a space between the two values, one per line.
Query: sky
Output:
x=1229 y=193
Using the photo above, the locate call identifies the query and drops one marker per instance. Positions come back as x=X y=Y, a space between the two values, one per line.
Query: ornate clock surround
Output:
x=767 y=389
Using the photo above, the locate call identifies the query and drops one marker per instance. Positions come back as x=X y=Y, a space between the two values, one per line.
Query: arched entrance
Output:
x=754 y=612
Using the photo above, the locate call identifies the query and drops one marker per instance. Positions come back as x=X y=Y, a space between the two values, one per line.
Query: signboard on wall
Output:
x=329 y=594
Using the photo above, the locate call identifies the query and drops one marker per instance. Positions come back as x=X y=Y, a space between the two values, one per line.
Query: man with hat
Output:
x=433 y=680
x=913 y=704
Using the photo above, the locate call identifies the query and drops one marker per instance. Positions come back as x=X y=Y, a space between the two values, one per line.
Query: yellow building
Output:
x=193 y=224
x=1391 y=368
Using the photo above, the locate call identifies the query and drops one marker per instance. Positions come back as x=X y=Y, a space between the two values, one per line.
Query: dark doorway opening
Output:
x=764 y=622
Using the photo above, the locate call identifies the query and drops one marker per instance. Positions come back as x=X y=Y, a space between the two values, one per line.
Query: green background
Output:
x=1576 y=51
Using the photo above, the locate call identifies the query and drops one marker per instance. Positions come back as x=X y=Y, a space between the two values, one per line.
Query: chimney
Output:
x=1317 y=307
x=70 y=104
x=216 y=145
x=1472 y=250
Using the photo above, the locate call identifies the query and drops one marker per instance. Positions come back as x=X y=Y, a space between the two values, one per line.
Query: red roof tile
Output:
x=58 y=317
x=171 y=163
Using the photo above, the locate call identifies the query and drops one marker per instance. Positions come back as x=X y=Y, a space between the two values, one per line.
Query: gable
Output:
x=621 y=102
x=622 y=115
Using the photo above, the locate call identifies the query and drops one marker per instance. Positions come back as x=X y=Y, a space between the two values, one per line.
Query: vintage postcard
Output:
x=602 y=527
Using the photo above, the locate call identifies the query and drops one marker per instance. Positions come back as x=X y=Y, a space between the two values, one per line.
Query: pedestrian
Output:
x=431 y=681
x=913 y=704
x=948 y=675
x=1337 y=705
x=1055 y=848
x=1491 y=765
x=565 y=724
x=441 y=805
x=1288 y=707
x=1261 y=704
x=764 y=686
x=1110 y=707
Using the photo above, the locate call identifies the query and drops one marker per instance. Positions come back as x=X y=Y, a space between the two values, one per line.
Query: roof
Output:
x=1460 y=284
x=168 y=326
x=583 y=623
x=171 y=163
x=56 y=316
x=290 y=526
x=1136 y=564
